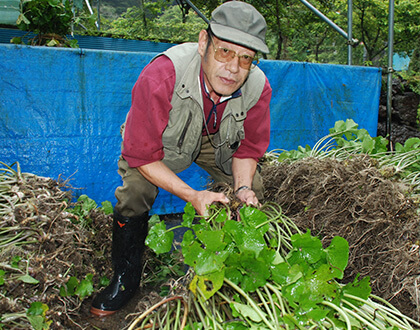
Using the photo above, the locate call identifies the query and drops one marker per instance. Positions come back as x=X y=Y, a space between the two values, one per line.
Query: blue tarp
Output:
x=61 y=111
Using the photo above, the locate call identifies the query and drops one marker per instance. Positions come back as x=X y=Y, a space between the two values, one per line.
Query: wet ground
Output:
x=116 y=321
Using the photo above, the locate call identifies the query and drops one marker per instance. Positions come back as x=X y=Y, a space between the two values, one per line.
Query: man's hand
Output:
x=160 y=175
x=248 y=197
x=202 y=199
x=243 y=174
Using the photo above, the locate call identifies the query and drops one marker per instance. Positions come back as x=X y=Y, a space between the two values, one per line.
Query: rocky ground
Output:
x=405 y=112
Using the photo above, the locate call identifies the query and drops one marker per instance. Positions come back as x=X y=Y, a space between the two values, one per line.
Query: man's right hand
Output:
x=161 y=176
x=202 y=199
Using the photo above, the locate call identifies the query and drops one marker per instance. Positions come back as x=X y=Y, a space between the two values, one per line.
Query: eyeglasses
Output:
x=225 y=55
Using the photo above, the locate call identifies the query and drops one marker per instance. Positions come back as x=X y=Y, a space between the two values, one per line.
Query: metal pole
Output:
x=349 y=31
x=99 y=15
x=91 y=12
x=331 y=23
x=197 y=11
x=390 y=70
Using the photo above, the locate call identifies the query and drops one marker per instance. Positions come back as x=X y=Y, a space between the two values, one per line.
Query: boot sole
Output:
x=100 y=312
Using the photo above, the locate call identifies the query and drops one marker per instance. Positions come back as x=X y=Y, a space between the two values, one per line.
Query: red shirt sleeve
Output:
x=149 y=113
x=257 y=127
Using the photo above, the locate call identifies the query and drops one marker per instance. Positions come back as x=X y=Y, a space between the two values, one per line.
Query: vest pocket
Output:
x=184 y=133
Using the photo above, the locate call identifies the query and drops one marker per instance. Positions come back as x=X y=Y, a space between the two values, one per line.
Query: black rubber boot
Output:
x=128 y=236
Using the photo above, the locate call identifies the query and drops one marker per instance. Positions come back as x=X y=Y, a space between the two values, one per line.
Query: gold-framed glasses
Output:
x=225 y=55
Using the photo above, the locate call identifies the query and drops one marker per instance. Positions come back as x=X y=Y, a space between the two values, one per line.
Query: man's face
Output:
x=222 y=79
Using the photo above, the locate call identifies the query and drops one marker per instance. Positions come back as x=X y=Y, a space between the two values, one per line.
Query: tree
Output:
x=177 y=27
x=294 y=32
x=370 y=19
x=158 y=21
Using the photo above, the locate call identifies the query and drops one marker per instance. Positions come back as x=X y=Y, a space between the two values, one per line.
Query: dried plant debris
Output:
x=43 y=245
x=352 y=199
x=57 y=252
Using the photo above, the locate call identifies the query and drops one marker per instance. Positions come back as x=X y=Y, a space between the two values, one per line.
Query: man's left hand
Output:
x=248 y=197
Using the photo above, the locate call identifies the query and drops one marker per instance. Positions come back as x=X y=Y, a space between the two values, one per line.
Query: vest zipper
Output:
x=184 y=132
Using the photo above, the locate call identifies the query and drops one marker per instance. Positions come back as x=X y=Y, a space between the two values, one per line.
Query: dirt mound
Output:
x=50 y=245
x=354 y=200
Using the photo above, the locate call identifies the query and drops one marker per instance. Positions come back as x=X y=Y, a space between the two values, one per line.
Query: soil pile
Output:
x=42 y=239
x=354 y=200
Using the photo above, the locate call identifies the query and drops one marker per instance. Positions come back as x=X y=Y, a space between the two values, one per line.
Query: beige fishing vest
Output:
x=182 y=137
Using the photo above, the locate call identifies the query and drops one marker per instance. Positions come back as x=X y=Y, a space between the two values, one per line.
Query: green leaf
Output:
x=187 y=240
x=307 y=249
x=28 y=279
x=73 y=44
x=85 y=288
x=190 y=251
x=207 y=262
x=252 y=240
x=207 y=284
x=107 y=207
x=285 y=274
x=154 y=219
x=104 y=281
x=37 y=308
x=221 y=216
x=88 y=204
x=36 y=314
x=246 y=238
x=159 y=239
x=255 y=272
x=312 y=289
x=69 y=288
x=338 y=255
x=247 y=311
x=411 y=144
x=233 y=274
x=317 y=314
x=212 y=239
x=2 y=273
x=39 y=322
x=15 y=261
x=380 y=145
x=254 y=218
x=268 y=255
x=358 y=288
x=368 y=145
x=188 y=216
x=235 y=325
x=16 y=40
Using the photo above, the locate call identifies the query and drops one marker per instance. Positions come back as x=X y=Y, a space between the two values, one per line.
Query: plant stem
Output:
x=340 y=311
x=251 y=302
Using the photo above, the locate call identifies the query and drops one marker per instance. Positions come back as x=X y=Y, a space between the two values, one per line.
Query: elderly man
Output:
x=202 y=102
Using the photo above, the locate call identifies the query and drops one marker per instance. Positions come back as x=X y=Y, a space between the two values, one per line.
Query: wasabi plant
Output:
x=263 y=273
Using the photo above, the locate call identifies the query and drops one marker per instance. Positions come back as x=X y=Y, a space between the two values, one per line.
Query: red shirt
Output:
x=149 y=114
